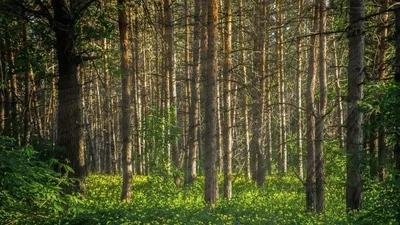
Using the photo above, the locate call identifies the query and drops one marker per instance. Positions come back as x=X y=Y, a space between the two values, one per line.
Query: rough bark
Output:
x=320 y=120
x=310 y=118
x=299 y=92
x=193 y=137
x=126 y=101
x=69 y=125
x=354 y=196
x=227 y=126
x=210 y=102
x=170 y=67
x=282 y=153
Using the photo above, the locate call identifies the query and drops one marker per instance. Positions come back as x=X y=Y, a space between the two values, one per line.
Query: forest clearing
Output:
x=200 y=112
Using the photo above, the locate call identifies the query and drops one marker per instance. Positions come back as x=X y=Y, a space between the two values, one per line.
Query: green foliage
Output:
x=159 y=131
x=382 y=205
x=281 y=201
x=30 y=190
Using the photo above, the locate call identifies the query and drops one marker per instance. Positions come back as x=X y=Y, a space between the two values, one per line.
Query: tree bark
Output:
x=69 y=125
x=354 y=196
x=28 y=87
x=299 y=92
x=244 y=94
x=210 y=100
x=282 y=153
x=320 y=121
x=193 y=138
x=310 y=118
x=126 y=101
x=227 y=127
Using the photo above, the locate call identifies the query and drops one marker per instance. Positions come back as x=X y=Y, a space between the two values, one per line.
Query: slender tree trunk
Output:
x=210 y=103
x=245 y=97
x=13 y=94
x=194 y=101
x=377 y=138
x=310 y=118
x=170 y=67
x=227 y=127
x=299 y=92
x=338 y=98
x=204 y=70
x=28 y=87
x=282 y=153
x=268 y=87
x=3 y=95
x=126 y=100
x=354 y=196
x=397 y=79
x=320 y=121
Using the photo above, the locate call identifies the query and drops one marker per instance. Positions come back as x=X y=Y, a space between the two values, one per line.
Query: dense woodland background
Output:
x=210 y=107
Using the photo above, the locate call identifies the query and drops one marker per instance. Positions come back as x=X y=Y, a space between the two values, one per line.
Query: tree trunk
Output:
x=69 y=125
x=244 y=93
x=28 y=87
x=268 y=87
x=170 y=67
x=227 y=127
x=299 y=92
x=320 y=121
x=126 y=101
x=193 y=138
x=354 y=196
x=310 y=118
x=338 y=98
x=282 y=153
x=210 y=103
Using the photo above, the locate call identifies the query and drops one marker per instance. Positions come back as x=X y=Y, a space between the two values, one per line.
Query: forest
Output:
x=200 y=112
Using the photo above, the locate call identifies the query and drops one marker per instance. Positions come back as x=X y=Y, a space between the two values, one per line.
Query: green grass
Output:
x=156 y=201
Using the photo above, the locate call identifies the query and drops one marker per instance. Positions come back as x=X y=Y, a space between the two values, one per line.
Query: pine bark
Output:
x=69 y=125
x=126 y=101
x=210 y=100
x=299 y=92
x=227 y=127
x=193 y=137
x=282 y=153
x=354 y=145
x=310 y=117
x=320 y=121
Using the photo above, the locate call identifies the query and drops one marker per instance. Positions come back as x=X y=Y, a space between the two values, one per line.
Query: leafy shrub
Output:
x=30 y=190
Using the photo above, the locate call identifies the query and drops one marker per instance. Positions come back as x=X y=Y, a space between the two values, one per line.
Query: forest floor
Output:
x=156 y=201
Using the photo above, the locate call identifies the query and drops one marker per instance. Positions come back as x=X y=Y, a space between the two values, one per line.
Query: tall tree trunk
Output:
x=282 y=153
x=28 y=87
x=210 y=103
x=227 y=127
x=397 y=79
x=338 y=98
x=170 y=67
x=204 y=70
x=310 y=117
x=244 y=94
x=354 y=196
x=320 y=121
x=256 y=155
x=69 y=124
x=299 y=92
x=194 y=101
x=13 y=95
x=126 y=101
x=377 y=142
x=268 y=87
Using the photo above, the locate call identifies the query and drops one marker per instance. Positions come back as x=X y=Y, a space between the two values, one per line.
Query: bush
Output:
x=30 y=190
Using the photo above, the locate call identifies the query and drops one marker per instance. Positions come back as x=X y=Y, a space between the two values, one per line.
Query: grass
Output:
x=156 y=201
